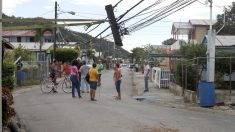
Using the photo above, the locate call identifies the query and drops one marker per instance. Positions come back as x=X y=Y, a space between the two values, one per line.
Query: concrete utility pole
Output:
x=211 y=50
x=54 y=46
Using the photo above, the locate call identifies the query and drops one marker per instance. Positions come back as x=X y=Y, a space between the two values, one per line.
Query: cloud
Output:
x=8 y=7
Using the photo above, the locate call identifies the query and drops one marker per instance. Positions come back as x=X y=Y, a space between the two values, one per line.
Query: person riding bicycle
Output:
x=53 y=70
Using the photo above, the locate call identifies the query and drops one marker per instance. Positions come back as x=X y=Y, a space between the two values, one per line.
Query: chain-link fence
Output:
x=189 y=73
x=31 y=72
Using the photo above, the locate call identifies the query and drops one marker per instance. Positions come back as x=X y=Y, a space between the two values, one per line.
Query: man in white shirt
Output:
x=146 y=76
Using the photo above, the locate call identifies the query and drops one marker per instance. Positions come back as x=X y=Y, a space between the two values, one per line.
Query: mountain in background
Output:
x=66 y=35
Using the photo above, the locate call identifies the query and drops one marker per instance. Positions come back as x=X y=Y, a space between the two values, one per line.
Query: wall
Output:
x=200 y=32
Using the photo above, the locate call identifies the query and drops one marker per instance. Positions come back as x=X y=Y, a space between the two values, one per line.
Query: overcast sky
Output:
x=95 y=9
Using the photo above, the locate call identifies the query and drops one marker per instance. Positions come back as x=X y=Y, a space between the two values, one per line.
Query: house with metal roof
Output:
x=194 y=30
x=225 y=42
x=25 y=36
x=34 y=48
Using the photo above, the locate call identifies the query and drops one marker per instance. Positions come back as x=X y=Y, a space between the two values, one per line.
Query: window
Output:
x=31 y=39
x=18 y=39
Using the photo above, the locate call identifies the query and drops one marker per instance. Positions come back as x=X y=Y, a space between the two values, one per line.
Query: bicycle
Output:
x=47 y=85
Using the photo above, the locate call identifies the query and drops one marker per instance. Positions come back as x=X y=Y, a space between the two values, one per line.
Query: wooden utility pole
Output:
x=54 y=46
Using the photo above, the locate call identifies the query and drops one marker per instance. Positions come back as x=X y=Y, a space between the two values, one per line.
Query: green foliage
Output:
x=191 y=51
x=169 y=41
x=8 y=79
x=65 y=54
x=9 y=56
x=90 y=51
x=229 y=28
x=21 y=51
x=139 y=54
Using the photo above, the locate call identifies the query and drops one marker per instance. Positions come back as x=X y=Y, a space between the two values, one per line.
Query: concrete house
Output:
x=194 y=30
x=25 y=36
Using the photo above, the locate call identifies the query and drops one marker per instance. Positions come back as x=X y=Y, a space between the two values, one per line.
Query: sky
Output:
x=154 y=34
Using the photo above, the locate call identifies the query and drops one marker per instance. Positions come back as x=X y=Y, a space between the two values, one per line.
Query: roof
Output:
x=34 y=46
x=222 y=41
x=181 y=27
x=23 y=33
x=19 y=33
x=7 y=44
x=161 y=46
x=202 y=22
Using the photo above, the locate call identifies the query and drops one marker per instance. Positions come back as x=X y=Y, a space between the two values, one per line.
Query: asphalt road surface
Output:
x=61 y=113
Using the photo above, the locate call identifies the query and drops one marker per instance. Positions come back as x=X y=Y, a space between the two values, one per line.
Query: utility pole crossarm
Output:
x=49 y=26
x=50 y=20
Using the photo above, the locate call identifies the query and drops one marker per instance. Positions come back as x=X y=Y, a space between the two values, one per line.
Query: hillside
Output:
x=73 y=36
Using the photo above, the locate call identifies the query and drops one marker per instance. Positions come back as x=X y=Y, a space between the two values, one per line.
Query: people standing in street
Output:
x=53 y=70
x=117 y=77
x=84 y=71
x=93 y=78
x=146 y=76
x=99 y=68
x=74 y=79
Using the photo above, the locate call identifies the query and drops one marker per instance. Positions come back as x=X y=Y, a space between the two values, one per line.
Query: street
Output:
x=59 y=112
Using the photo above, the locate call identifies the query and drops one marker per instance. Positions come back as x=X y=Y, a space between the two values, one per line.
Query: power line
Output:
x=172 y=8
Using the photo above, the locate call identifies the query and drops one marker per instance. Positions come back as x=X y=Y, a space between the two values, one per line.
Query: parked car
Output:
x=131 y=66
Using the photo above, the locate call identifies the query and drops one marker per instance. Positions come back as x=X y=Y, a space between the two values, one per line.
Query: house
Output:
x=194 y=30
x=222 y=42
x=25 y=36
x=34 y=48
x=5 y=46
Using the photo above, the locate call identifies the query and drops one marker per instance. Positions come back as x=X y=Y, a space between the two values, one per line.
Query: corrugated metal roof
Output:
x=225 y=40
x=23 y=33
x=181 y=28
x=19 y=33
x=182 y=25
x=32 y=46
x=203 y=22
x=221 y=41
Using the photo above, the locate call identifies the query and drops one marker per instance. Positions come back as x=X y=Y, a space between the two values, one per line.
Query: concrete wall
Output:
x=192 y=97
x=200 y=32
x=176 y=89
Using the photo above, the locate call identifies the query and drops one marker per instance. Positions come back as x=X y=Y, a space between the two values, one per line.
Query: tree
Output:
x=139 y=54
x=169 y=41
x=229 y=28
x=90 y=51
x=21 y=51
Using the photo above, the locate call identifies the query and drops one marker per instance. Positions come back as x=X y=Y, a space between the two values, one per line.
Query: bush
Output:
x=65 y=54
x=7 y=110
x=8 y=79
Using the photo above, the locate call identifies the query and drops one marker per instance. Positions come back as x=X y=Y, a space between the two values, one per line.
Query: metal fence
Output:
x=193 y=71
x=161 y=77
x=31 y=72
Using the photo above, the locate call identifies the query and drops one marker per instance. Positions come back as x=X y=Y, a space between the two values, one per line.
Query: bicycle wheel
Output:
x=46 y=86
x=67 y=86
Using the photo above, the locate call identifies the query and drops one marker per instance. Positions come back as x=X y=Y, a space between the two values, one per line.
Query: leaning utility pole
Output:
x=54 y=46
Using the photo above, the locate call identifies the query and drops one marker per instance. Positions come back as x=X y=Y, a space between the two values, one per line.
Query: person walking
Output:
x=53 y=70
x=99 y=68
x=93 y=78
x=84 y=71
x=117 y=77
x=74 y=79
x=146 y=76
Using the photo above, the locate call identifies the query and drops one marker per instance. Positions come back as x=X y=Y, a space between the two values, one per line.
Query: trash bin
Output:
x=207 y=94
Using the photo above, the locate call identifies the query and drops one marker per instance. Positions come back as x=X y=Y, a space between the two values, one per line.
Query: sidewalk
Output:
x=164 y=97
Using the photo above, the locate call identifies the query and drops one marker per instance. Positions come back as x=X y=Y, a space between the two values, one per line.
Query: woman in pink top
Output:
x=74 y=79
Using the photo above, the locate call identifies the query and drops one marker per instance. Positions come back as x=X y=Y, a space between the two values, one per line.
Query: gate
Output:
x=161 y=77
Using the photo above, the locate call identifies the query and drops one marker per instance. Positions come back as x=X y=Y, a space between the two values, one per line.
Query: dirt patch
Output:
x=161 y=128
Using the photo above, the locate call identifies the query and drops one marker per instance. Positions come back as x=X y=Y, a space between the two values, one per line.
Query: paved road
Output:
x=61 y=113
